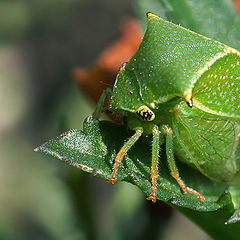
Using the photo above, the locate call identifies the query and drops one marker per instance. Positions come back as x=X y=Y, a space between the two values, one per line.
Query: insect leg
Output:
x=173 y=166
x=100 y=104
x=154 y=168
x=122 y=153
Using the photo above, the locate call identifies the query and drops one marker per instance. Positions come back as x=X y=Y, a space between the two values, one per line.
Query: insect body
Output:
x=174 y=66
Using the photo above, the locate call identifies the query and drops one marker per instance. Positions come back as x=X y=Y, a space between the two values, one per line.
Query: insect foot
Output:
x=153 y=195
x=199 y=195
x=112 y=180
x=152 y=198
x=186 y=189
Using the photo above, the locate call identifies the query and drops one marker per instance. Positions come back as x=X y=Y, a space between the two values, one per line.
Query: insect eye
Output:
x=145 y=113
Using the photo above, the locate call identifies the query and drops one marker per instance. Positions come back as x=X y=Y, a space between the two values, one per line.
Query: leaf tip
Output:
x=36 y=149
x=234 y=218
x=39 y=148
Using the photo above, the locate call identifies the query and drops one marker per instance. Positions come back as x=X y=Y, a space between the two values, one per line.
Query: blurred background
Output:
x=56 y=57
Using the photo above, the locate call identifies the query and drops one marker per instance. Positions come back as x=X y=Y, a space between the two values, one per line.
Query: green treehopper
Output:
x=183 y=89
x=174 y=66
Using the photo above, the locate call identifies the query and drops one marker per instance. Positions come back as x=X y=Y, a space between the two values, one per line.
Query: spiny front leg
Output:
x=122 y=153
x=100 y=104
x=154 y=168
x=173 y=167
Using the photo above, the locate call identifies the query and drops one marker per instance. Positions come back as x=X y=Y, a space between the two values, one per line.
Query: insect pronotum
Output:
x=185 y=87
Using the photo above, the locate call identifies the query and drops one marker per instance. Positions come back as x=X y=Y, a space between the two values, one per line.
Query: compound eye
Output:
x=145 y=113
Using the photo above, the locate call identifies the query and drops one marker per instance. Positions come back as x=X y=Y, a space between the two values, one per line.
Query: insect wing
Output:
x=208 y=142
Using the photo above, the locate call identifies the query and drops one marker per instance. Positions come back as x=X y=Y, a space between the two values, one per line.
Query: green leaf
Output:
x=94 y=149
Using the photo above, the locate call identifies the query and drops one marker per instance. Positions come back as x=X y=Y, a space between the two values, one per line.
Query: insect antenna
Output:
x=107 y=84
